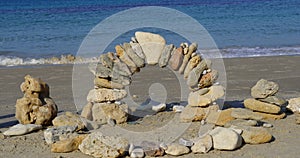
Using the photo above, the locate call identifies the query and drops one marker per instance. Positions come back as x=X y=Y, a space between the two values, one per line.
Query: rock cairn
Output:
x=114 y=71
x=36 y=106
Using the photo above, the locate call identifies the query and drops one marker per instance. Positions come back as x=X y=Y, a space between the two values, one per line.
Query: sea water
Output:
x=33 y=31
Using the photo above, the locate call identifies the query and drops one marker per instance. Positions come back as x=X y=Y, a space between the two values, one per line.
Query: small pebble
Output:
x=137 y=153
x=178 y=108
x=134 y=96
x=118 y=102
x=185 y=50
x=194 y=54
x=159 y=108
x=208 y=70
x=186 y=45
x=267 y=125
x=204 y=72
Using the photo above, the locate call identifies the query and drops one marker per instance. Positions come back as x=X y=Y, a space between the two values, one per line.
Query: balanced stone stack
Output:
x=265 y=102
x=114 y=72
x=36 y=106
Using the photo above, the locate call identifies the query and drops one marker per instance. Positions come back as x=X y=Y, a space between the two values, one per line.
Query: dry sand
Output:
x=242 y=73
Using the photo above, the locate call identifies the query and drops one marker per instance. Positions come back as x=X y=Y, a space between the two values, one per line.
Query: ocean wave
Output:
x=232 y=52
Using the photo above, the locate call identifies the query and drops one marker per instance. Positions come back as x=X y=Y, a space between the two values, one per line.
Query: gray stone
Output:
x=294 y=105
x=260 y=106
x=87 y=111
x=105 y=83
x=152 y=45
x=100 y=70
x=176 y=59
x=118 y=78
x=192 y=48
x=137 y=153
x=166 y=54
x=203 y=144
x=69 y=119
x=177 y=150
x=138 y=50
x=90 y=125
x=54 y=134
x=123 y=56
x=264 y=88
x=195 y=74
x=139 y=62
x=241 y=113
x=21 y=129
x=274 y=100
x=121 y=68
x=104 y=95
x=225 y=139
x=185 y=142
x=98 y=145
x=106 y=61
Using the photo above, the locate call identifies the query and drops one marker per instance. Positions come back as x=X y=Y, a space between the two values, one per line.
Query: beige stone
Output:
x=191 y=64
x=125 y=58
x=104 y=95
x=152 y=46
x=202 y=145
x=220 y=118
x=87 y=111
x=264 y=88
x=176 y=59
x=208 y=79
x=177 y=150
x=69 y=119
x=255 y=135
x=190 y=114
x=104 y=111
x=260 y=106
x=67 y=145
x=266 y=116
x=202 y=100
x=192 y=48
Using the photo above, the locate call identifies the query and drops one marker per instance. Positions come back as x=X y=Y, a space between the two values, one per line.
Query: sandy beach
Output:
x=242 y=73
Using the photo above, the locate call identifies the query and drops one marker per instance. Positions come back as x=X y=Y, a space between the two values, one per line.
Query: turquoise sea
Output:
x=30 y=30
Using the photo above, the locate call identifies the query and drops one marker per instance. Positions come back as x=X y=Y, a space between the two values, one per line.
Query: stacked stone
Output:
x=36 y=106
x=265 y=102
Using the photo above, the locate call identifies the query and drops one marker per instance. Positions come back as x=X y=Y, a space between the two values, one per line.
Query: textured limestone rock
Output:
x=152 y=46
x=191 y=64
x=177 y=150
x=192 y=48
x=199 y=99
x=208 y=79
x=125 y=58
x=264 y=88
x=67 y=145
x=166 y=54
x=255 y=135
x=104 y=95
x=225 y=139
x=104 y=111
x=69 y=119
x=294 y=105
x=195 y=74
x=55 y=134
x=99 y=145
x=105 y=83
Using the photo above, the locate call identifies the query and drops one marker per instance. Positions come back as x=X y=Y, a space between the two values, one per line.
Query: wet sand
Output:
x=242 y=73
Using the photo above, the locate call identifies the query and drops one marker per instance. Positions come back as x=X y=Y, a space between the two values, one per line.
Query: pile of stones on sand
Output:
x=226 y=129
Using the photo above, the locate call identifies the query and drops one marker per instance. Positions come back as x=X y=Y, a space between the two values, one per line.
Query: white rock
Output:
x=185 y=142
x=137 y=153
x=163 y=146
x=294 y=105
x=267 y=125
x=57 y=133
x=177 y=150
x=159 y=108
x=152 y=45
x=21 y=129
x=178 y=108
x=225 y=139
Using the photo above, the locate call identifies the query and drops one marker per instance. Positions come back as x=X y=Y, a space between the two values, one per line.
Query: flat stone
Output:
x=152 y=45
x=190 y=114
x=185 y=142
x=225 y=139
x=104 y=111
x=20 y=129
x=138 y=50
x=139 y=62
x=266 y=116
x=177 y=150
x=208 y=79
x=199 y=99
x=105 y=83
x=191 y=64
x=67 y=145
x=241 y=122
x=220 y=118
x=100 y=70
x=87 y=111
x=121 y=68
x=98 y=145
x=264 y=88
x=123 y=56
x=137 y=153
x=118 y=78
x=55 y=134
x=104 y=95
x=69 y=119
x=255 y=135
x=159 y=107
x=260 y=106
x=176 y=59
x=203 y=145
x=294 y=105
x=166 y=54
x=195 y=74
x=106 y=60
x=190 y=50
x=274 y=100
x=242 y=113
